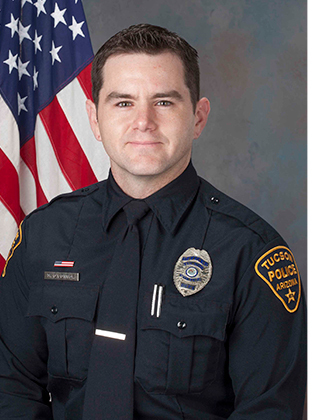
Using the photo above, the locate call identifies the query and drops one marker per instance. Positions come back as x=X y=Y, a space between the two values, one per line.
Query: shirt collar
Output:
x=168 y=204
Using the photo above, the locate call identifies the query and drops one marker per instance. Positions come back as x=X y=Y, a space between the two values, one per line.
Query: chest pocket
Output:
x=178 y=353
x=66 y=312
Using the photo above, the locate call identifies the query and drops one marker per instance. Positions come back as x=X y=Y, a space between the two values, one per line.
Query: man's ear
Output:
x=92 y=114
x=201 y=116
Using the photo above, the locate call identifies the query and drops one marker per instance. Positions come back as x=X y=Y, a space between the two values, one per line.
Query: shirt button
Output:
x=181 y=325
x=215 y=200
x=54 y=310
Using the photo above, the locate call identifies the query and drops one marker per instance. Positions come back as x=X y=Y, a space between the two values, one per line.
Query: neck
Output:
x=142 y=186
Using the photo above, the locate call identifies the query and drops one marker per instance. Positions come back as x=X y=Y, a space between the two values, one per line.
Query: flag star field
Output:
x=46 y=144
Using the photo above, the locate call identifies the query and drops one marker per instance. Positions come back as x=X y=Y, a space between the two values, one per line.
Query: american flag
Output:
x=46 y=145
x=64 y=264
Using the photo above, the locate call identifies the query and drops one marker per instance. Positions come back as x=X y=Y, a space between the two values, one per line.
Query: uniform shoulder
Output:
x=220 y=202
x=68 y=201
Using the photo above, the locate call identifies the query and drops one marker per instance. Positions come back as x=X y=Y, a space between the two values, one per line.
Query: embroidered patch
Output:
x=16 y=242
x=192 y=271
x=278 y=269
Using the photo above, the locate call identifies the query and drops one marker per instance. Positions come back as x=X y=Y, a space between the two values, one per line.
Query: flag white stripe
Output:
x=50 y=176
x=10 y=145
x=72 y=100
x=9 y=135
x=8 y=231
x=51 y=179
x=28 y=200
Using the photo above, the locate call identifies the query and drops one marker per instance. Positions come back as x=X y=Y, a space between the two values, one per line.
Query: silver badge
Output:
x=192 y=271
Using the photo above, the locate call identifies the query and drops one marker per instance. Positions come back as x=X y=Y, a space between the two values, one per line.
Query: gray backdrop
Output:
x=253 y=70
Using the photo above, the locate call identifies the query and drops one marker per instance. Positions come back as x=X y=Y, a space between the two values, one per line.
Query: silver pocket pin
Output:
x=157 y=298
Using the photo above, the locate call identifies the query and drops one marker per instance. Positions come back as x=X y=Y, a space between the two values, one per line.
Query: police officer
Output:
x=150 y=295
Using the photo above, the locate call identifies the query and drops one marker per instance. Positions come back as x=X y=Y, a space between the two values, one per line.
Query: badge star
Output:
x=54 y=53
x=40 y=7
x=22 y=68
x=58 y=15
x=11 y=61
x=76 y=28
x=36 y=41
x=23 y=32
x=290 y=296
x=35 y=76
x=26 y=1
x=13 y=25
x=21 y=106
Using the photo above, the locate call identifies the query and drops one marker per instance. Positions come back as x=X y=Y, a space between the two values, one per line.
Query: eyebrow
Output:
x=118 y=95
x=170 y=94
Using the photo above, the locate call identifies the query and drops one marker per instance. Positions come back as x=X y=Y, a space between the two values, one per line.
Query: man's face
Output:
x=145 y=117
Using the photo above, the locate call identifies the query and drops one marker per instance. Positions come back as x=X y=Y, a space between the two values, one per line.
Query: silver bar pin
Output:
x=110 y=334
x=153 y=299
x=159 y=304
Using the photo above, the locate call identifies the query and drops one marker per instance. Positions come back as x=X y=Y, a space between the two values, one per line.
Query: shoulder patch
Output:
x=278 y=269
x=16 y=242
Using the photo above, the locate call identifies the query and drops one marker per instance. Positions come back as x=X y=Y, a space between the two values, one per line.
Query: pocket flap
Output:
x=58 y=301
x=185 y=318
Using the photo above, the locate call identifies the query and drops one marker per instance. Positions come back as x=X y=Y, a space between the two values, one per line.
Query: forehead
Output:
x=165 y=67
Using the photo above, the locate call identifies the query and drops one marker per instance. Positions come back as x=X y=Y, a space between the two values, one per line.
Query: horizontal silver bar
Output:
x=110 y=334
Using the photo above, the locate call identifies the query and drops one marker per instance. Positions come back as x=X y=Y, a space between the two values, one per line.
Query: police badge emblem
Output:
x=278 y=269
x=192 y=272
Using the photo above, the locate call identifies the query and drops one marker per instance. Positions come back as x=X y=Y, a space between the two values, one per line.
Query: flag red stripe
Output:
x=28 y=154
x=85 y=81
x=2 y=263
x=9 y=188
x=71 y=158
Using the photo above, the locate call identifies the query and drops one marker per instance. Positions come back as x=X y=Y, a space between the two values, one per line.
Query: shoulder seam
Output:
x=83 y=192
x=256 y=256
x=253 y=217
x=76 y=225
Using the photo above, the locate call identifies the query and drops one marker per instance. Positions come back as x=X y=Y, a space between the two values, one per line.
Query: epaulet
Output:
x=81 y=192
x=220 y=202
x=77 y=193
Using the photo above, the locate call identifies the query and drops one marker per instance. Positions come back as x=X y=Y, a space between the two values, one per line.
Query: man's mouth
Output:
x=145 y=143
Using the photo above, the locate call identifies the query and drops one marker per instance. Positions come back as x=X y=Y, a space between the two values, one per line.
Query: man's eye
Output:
x=164 y=103
x=123 y=104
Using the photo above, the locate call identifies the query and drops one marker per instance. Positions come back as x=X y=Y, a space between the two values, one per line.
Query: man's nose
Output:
x=144 y=118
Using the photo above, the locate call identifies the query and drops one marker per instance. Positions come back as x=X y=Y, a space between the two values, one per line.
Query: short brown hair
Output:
x=148 y=39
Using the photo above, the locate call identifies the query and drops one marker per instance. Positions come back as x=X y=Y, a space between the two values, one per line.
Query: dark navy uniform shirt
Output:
x=234 y=350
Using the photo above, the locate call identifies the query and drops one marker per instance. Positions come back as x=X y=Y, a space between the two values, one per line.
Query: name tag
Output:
x=55 y=275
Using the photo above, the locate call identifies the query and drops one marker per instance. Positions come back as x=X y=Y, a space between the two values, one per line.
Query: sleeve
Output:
x=23 y=349
x=267 y=339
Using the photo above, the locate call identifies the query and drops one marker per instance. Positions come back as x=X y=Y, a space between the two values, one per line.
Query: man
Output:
x=150 y=295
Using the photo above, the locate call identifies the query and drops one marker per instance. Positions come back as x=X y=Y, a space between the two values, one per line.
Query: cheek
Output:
x=184 y=133
x=176 y=125
x=114 y=124
x=109 y=129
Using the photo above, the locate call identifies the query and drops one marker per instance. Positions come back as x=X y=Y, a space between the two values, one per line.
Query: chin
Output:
x=147 y=167
x=146 y=171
